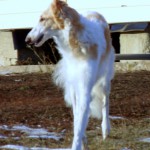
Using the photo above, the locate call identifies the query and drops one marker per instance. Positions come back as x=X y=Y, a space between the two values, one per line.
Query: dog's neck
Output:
x=62 y=39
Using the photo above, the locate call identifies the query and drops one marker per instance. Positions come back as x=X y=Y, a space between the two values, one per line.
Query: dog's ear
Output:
x=58 y=7
x=62 y=11
x=60 y=3
x=58 y=11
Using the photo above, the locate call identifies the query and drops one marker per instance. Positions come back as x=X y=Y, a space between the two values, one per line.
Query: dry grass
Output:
x=124 y=134
x=34 y=100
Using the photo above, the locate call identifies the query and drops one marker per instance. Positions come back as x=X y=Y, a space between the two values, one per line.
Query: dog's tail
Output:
x=96 y=108
x=96 y=103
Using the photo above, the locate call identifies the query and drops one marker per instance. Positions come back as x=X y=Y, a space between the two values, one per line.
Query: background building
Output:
x=129 y=23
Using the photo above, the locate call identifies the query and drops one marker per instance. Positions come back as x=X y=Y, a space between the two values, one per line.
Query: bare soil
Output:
x=33 y=99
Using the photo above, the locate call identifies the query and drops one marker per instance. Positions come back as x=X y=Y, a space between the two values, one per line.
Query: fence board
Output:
x=132 y=56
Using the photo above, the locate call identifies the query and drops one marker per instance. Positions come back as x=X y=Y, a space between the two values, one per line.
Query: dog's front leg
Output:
x=85 y=143
x=81 y=115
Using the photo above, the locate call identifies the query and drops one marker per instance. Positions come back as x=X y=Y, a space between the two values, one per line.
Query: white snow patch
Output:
x=116 y=117
x=147 y=140
x=33 y=132
x=18 y=80
x=125 y=148
x=17 y=147
x=3 y=137
x=4 y=127
x=5 y=72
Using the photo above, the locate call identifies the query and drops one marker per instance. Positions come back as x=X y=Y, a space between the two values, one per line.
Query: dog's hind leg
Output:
x=100 y=104
x=105 y=117
x=105 y=111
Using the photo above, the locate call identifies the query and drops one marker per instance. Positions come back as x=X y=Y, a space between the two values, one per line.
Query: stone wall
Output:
x=134 y=43
x=130 y=43
x=8 y=55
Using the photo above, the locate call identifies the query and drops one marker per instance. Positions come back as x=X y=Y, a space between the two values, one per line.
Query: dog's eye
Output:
x=42 y=19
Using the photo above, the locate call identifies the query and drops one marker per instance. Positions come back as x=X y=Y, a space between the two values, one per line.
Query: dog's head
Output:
x=51 y=22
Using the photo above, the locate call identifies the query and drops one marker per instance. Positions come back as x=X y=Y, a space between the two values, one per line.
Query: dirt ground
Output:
x=33 y=99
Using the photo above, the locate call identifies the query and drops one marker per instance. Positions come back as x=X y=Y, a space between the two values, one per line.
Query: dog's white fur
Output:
x=86 y=68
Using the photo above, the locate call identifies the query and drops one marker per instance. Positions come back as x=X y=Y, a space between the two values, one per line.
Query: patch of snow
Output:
x=16 y=138
x=18 y=80
x=4 y=127
x=45 y=137
x=125 y=148
x=147 y=140
x=33 y=132
x=39 y=148
x=5 y=72
x=116 y=117
x=17 y=147
x=3 y=137
x=37 y=133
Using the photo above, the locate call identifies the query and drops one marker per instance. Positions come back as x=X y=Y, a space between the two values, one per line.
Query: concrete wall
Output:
x=130 y=43
x=134 y=43
x=8 y=55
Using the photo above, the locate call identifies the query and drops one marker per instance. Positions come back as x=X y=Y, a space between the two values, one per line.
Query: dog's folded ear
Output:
x=61 y=12
x=57 y=7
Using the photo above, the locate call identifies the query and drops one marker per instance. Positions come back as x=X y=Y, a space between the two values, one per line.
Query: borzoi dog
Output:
x=86 y=68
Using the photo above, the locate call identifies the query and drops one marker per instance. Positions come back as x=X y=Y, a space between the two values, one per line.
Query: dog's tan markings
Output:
x=57 y=11
x=106 y=33
x=61 y=11
x=96 y=16
x=108 y=44
x=73 y=36
x=93 y=51
x=47 y=20
x=108 y=39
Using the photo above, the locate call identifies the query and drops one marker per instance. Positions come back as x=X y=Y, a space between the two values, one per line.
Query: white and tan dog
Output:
x=86 y=68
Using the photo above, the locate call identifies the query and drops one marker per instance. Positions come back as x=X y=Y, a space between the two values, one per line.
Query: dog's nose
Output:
x=28 y=40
